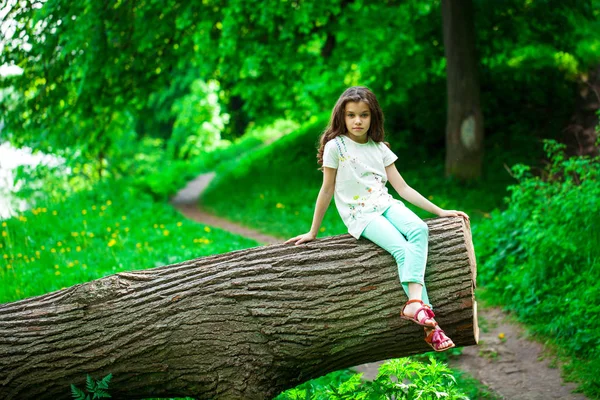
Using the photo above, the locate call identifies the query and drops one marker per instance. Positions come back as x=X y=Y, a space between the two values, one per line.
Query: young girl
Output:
x=356 y=166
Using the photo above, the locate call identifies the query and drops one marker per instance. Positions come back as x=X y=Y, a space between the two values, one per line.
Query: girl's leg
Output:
x=386 y=235
x=383 y=233
x=412 y=272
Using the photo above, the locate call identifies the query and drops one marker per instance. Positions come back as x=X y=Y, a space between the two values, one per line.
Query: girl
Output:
x=356 y=165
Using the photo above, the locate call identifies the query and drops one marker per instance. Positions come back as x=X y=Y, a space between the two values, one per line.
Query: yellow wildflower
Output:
x=43 y=247
x=155 y=225
x=19 y=255
x=501 y=335
x=23 y=218
x=138 y=245
x=108 y=202
x=78 y=248
x=4 y=234
x=56 y=266
x=44 y=209
x=124 y=217
x=162 y=226
x=279 y=205
x=59 y=244
x=108 y=229
x=83 y=212
x=322 y=229
x=57 y=273
x=206 y=229
x=262 y=196
x=52 y=251
x=126 y=229
x=37 y=254
x=4 y=224
x=70 y=265
x=102 y=208
x=179 y=224
x=112 y=242
x=166 y=232
x=5 y=256
x=54 y=213
x=94 y=208
x=84 y=266
x=74 y=234
x=117 y=224
x=90 y=234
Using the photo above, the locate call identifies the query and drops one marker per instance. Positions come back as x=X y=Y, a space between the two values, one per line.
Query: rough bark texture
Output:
x=464 y=125
x=242 y=325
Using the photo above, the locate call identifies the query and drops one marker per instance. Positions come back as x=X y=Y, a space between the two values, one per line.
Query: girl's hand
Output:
x=453 y=213
x=307 y=237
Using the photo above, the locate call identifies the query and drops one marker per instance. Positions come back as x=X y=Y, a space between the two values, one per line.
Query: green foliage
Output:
x=198 y=122
x=92 y=234
x=401 y=378
x=540 y=257
x=98 y=76
x=97 y=389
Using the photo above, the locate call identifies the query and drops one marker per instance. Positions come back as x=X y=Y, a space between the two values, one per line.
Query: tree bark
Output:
x=241 y=325
x=464 y=125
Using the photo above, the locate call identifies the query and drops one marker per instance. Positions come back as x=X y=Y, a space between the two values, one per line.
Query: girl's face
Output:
x=358 y=120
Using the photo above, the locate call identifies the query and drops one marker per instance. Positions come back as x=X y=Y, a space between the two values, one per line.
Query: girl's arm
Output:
x=323 y=200
x=412 y=196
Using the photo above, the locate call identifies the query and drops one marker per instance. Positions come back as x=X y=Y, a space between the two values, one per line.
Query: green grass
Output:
x=93 y=234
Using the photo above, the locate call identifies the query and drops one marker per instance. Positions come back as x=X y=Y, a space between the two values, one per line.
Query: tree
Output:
x=246 y=324
x=464 y=124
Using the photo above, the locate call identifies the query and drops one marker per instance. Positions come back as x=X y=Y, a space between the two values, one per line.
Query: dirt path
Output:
x=513 y=367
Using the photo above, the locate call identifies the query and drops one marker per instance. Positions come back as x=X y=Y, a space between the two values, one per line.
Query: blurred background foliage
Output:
x=194 y=73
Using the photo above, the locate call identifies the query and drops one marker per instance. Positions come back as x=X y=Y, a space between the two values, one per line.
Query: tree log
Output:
x=242 y=325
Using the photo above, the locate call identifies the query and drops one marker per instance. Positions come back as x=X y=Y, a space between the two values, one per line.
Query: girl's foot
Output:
x=419 y=313
x=437 y=339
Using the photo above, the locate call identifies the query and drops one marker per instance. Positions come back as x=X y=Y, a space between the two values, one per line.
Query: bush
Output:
x=401 y=378
x=541 y=257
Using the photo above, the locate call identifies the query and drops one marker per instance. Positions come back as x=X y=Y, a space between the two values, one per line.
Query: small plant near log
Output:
x=399 y=379
x=97 y=389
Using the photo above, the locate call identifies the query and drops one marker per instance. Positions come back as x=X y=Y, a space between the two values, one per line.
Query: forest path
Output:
x=513 y=367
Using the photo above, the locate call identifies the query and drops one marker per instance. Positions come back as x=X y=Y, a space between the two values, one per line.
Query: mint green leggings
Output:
x=400 y=232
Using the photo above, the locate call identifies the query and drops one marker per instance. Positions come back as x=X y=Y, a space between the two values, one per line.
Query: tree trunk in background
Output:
x=241 y=325
x=581 y=136
x=464 y=125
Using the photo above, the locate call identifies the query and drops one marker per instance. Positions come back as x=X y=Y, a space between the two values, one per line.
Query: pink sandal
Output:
x=435 y=339
x=425 y=309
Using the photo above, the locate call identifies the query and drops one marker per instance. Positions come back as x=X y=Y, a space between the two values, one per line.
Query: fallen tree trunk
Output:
x=246 y=324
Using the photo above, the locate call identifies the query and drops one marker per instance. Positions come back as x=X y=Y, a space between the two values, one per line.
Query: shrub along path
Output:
x=505 y=360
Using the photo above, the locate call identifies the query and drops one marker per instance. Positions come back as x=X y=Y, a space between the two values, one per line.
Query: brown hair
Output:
x=337 y=123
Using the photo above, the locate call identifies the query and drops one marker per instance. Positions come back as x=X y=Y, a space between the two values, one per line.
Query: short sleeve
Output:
x=330 y=155
x=388 y=155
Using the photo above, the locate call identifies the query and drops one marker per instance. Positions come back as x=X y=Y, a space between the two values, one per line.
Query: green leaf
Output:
x=77 y=393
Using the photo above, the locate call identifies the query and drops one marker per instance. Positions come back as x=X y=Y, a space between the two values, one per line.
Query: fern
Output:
x=97 y=389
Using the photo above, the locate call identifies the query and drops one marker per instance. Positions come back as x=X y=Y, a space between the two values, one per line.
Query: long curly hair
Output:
x=337 y=122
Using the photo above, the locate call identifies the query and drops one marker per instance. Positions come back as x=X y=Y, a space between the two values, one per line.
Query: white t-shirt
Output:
x=360 y=192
